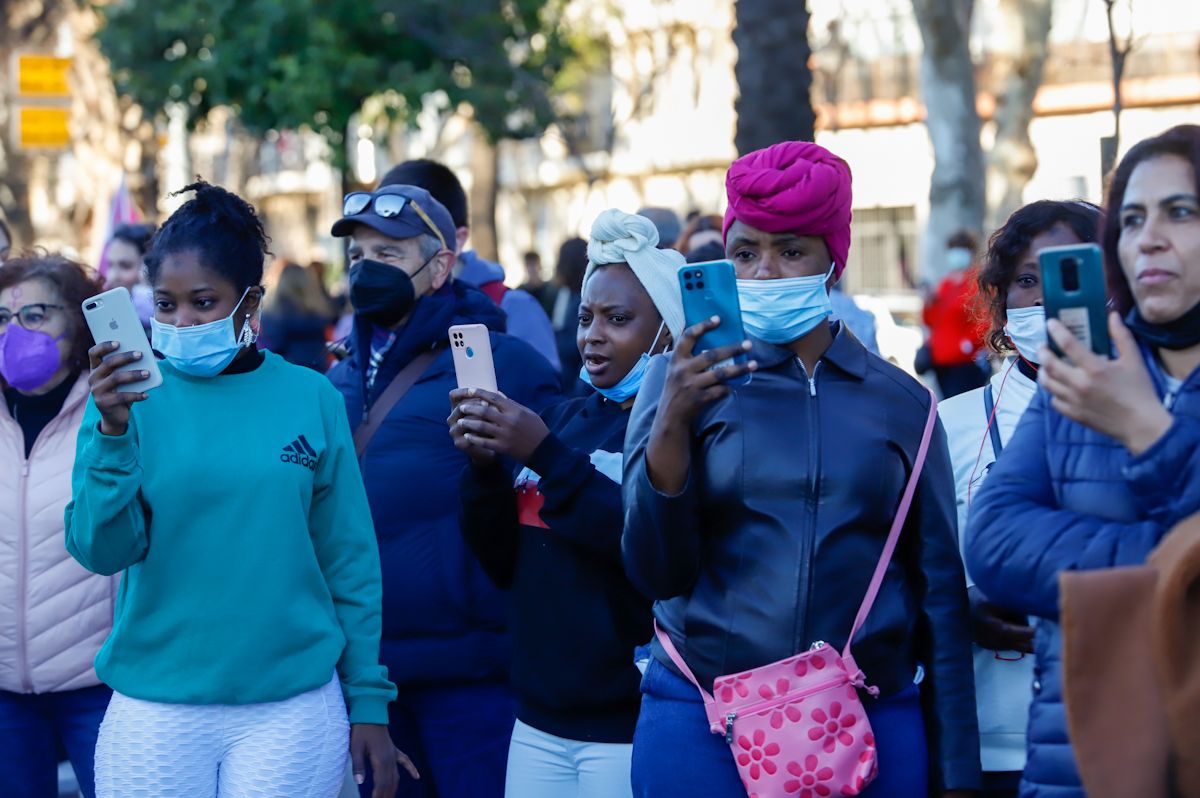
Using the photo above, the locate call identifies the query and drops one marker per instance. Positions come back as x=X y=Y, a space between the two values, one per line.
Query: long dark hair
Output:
x=73 y=281
x=1182 y=141
x=1008 y=244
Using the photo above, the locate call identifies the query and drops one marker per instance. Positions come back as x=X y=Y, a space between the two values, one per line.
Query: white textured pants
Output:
x=541 y=765
x=297 y=748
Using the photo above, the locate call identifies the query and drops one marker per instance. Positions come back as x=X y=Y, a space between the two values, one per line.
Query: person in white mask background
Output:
x=244 y=655
x=979 y=423
x=956 y=338
x=552 y=535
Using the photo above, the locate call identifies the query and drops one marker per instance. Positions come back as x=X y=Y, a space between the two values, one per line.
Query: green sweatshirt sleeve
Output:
x=344 y=539
x=105 y=520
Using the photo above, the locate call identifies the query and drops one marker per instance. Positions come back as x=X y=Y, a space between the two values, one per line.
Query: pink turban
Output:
x=793 y=187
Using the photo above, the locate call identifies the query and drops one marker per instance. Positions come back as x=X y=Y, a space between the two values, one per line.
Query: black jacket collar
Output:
x=846 y=353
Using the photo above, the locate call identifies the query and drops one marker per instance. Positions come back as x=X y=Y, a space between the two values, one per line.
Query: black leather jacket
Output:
x=771 y=545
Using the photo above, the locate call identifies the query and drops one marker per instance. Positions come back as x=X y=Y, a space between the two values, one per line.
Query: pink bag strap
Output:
x=893 y=538
x=715 y=722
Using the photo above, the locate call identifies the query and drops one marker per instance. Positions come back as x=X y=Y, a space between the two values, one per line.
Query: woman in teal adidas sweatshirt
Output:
x=231 y=498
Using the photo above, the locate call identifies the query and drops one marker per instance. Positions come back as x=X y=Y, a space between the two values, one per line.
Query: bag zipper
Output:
x=763 y=706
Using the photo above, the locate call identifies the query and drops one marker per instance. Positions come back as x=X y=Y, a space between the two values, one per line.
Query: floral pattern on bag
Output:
x=807 y=705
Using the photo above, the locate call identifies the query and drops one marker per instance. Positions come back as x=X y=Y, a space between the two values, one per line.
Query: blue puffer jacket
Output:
x=1064 y=497
x=443 y=620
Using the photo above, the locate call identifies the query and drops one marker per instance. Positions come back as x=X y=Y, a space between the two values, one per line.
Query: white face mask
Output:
x=1026 y=328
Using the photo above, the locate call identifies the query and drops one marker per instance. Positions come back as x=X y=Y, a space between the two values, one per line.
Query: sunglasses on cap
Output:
x=388 y=206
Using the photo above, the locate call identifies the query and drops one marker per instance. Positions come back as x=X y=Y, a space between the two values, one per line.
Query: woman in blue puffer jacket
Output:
x=1107 y=458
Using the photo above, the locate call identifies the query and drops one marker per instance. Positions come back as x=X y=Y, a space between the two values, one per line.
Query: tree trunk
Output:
x=1013 y=160
x=484 y=192
x=956 y=191
x=1118 y=51
x=774 y=81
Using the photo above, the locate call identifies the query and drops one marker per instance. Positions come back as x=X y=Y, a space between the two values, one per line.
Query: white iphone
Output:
x=112 y=317
x=471 y=346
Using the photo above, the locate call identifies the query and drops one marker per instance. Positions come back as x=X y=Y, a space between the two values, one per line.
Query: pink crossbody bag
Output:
x=797 y=727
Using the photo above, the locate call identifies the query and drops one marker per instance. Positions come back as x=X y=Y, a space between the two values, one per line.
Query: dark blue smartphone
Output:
x=1073 y=292
x=710 y=289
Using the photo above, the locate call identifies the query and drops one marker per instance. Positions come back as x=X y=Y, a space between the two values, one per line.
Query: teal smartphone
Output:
x=1073 y=292
x=710 y=289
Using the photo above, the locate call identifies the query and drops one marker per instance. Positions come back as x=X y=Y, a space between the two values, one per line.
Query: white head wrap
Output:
x=619 y=237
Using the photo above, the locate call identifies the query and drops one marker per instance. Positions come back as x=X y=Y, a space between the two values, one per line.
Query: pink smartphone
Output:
x=471 y=347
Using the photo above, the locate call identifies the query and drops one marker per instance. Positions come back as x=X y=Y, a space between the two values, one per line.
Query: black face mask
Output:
x=382 y=293
x=1183 y=333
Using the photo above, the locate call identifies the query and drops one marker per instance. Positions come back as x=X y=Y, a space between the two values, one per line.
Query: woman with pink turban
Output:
x=756 y=515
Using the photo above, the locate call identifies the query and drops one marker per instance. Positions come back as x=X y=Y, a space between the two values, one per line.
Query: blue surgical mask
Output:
x=782 y=311
x=205 y=349
x=631 y=383
x=958 y=258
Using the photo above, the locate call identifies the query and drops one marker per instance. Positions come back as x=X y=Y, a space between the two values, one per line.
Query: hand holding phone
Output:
x=710 y=291
x=122 y=362
x=1073 y=292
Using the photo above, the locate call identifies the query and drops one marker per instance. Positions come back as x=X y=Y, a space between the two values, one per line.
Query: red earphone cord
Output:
x=987 y=430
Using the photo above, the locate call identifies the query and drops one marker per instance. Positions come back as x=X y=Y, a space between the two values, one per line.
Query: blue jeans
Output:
x=675 y=755
x=34 y=727
x=456 y=736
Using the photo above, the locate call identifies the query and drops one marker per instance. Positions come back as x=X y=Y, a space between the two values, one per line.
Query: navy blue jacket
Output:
x=443 y=620
x=1065 y=497
x=556 y=544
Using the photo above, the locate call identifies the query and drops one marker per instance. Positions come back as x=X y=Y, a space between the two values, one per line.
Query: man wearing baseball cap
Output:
x=444 y=638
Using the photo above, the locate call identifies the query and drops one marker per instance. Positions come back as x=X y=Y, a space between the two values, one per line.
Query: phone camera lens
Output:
x=687 y=275
x=700 y=285
x=1070 y=274
x=689 y=286
x=91 y=306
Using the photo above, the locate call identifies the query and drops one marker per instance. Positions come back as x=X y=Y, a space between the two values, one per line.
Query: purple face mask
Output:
x=28 y=358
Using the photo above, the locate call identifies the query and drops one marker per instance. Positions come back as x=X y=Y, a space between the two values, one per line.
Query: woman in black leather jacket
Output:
x=755 y=515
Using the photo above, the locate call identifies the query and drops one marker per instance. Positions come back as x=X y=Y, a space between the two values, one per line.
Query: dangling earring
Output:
x=248 y=336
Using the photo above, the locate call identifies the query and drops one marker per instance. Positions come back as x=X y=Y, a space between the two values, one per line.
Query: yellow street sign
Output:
x=43 y=128
x=42 y=76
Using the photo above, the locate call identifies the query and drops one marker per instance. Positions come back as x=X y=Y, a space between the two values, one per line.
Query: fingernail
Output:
x=471 y=392
x=144 y=374
x=137 y=355
x=753 y=365
x=715 y=318
x=359 y=778
x=746 y=345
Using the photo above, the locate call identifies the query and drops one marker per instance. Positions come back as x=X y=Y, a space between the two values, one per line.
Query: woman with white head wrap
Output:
x=551 y=532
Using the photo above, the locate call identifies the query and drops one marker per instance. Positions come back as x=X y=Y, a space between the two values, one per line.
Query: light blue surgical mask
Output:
x=782 y=311
x=204 y=350
x=631 y=383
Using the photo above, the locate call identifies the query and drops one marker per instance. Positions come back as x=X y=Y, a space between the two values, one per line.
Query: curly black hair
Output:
x=1010 y=242
x=221 y=227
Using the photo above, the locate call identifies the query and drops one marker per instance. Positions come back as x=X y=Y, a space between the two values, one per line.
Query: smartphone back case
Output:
x=710 y=289
x=1073 y=291
x=111 y=317
x=471 y=347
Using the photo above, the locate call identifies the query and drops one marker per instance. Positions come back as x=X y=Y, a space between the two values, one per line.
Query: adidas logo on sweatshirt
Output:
x=300 y=452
